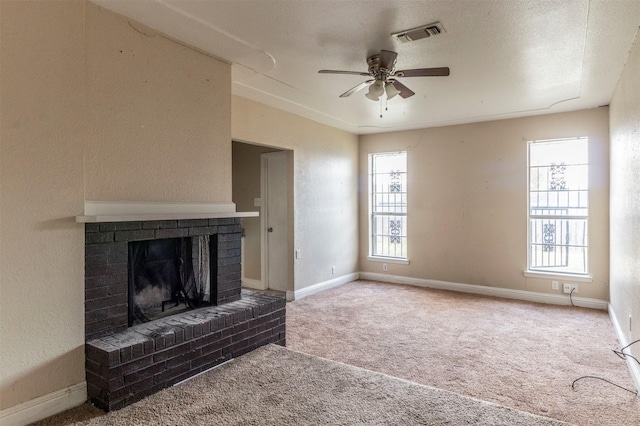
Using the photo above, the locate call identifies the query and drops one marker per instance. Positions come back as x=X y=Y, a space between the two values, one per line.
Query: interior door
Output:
x=275 y=199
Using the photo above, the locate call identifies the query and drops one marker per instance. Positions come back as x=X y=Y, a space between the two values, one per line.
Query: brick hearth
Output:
x=126 y=367
x=125 y=364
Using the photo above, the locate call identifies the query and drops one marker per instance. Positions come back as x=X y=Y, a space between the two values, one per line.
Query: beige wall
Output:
x=159 y=116
x=83 y=96
x=246 y=187
x=467 y=217
x=41 y=247
x=324 y=186
x=91 y=109
x=625 y=198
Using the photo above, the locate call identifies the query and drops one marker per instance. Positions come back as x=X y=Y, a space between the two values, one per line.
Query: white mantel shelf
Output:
x=119 y=211
x=147 y=217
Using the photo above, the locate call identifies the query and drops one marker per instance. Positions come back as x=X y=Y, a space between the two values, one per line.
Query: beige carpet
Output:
x=521 y=355
x=277 y=386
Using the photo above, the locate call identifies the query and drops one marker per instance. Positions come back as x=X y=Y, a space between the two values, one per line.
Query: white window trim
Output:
x=558 y=276
x=529 y=273
x=398 y=260
x=371 y=257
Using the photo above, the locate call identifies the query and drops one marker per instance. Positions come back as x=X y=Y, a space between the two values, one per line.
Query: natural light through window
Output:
x=388 y=205
x=559 y=206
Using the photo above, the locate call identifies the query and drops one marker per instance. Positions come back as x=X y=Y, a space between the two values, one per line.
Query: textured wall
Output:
x=95 y=105
x=468 y=199
x=42 y=132
x=324 y=187
x=159 y=117
x=625 y=197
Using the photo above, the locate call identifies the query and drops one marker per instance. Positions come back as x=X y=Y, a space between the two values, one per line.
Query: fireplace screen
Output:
x=168 y=276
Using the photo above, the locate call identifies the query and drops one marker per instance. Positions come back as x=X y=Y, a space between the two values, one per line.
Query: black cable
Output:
x=624 y=355
x=621 y=354
x=629 y=345
x=635 y=392
x=571 y=297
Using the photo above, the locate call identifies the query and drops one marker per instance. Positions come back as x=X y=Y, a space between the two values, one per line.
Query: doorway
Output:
x=262 y=181
x=275 y=200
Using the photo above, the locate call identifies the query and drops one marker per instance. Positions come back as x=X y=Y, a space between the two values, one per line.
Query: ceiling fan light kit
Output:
x=391 y=90
x=375 y=91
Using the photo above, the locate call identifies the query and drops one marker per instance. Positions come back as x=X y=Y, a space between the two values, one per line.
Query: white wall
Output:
x=467 y=217
x=625 y=198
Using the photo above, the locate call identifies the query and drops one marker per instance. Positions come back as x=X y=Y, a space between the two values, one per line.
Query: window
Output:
x=559 y=206
x=388 y=205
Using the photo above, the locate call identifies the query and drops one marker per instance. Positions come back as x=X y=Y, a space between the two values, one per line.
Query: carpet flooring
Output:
x=277 y=386
x=517 y=354
x=406 y=355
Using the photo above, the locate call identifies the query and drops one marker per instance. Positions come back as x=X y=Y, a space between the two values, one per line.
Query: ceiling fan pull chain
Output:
x=380 y=107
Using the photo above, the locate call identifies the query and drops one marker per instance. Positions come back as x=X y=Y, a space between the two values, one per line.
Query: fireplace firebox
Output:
x=168 y=276
x=163 y=302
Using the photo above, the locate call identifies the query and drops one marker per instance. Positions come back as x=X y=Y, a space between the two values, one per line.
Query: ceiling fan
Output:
x=382 y=67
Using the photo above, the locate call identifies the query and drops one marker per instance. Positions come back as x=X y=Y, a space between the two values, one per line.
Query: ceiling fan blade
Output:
x=405 y=92
x=343 y=72
x=424 y=72
x=357 y=88
x=387 y=59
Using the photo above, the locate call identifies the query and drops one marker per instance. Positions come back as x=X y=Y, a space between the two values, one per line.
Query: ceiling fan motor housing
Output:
x=379 y=72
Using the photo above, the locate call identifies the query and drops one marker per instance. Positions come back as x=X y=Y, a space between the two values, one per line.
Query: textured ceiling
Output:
x=507 y=58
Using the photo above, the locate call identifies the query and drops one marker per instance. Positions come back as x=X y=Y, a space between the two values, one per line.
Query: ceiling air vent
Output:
x=419 y=33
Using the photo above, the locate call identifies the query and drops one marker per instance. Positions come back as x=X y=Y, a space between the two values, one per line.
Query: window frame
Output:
x=549 y=272
x=372 y=213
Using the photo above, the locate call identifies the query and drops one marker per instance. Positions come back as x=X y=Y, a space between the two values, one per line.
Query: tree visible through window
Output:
x=388 y=204
x=559 y=205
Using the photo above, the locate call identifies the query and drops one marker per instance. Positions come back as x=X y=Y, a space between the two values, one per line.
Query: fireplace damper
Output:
x=168 y=276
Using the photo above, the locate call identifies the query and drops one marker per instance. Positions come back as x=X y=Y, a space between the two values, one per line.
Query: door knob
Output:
x=270 y=229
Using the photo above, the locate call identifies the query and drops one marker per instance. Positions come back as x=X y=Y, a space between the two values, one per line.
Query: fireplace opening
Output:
x=169 y=276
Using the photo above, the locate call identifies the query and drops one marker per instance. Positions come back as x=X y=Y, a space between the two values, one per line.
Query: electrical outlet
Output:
x=333 y=269
x=555 y=285
x=385 y=268
x=569 y=288
x=298 y=254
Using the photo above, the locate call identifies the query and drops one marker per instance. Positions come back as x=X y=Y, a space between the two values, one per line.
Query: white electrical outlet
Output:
x=555 y=285
x=298 y=254
x=385 y=267
x=333 y=269
x=569 y=288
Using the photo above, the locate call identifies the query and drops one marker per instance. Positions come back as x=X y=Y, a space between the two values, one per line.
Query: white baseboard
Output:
x=253 y=284
x=44 y=406
x=529 y=296
x=307 y=291
x=634 y=368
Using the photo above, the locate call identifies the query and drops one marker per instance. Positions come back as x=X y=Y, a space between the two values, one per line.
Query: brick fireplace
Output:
x=126 y=363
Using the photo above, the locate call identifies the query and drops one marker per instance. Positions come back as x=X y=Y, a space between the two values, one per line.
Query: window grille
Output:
x=558 y=206
x=388 y=204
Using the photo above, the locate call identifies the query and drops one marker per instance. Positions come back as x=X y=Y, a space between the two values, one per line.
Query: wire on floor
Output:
x=621 y=354
x=635 y=392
